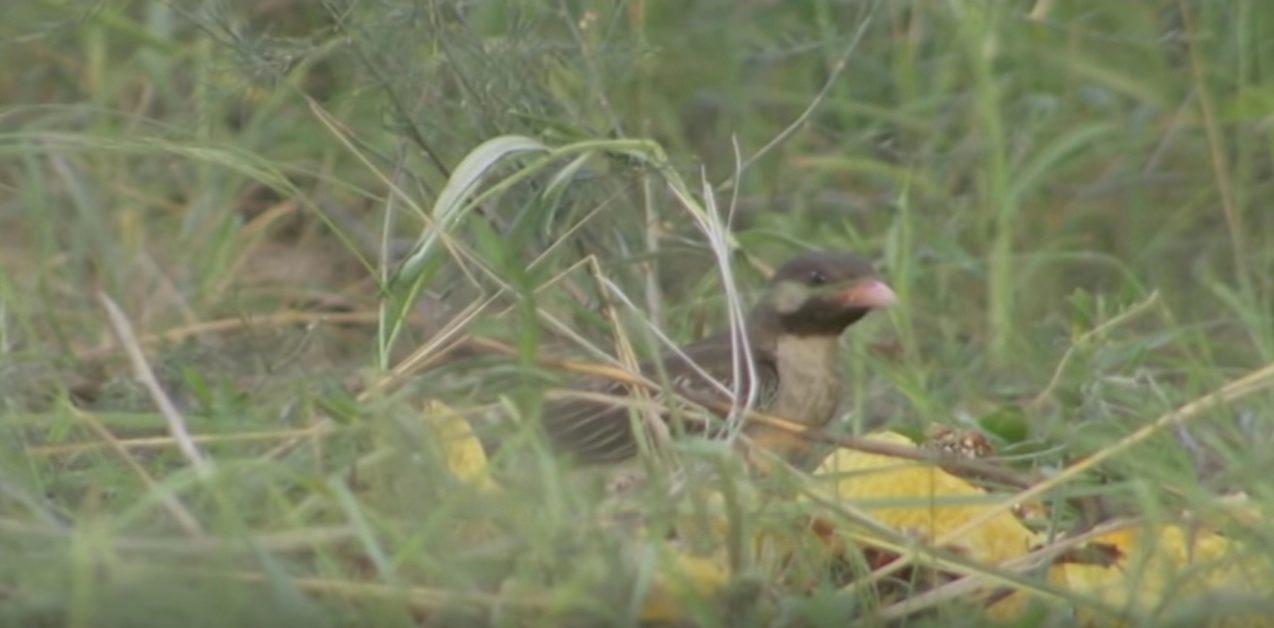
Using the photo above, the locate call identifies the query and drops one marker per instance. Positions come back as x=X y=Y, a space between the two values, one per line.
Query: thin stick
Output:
x=176 y=423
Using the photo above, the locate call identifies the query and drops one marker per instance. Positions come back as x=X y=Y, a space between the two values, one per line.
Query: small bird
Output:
x=793 y=333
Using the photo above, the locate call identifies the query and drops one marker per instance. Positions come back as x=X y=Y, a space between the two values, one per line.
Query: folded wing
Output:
x=598 y=431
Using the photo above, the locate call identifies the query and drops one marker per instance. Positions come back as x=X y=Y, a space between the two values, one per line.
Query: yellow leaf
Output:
x=461 y=449
x=679 y=581
x=923 y=501
x=1171 y=566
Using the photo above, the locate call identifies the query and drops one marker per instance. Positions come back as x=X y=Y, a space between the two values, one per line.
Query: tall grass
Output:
x=315 y=216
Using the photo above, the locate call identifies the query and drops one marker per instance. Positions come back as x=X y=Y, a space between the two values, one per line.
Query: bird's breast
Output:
x=809 y=378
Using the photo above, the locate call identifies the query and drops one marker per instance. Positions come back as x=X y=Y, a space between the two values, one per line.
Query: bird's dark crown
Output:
x=824 y=267
x=822 y=293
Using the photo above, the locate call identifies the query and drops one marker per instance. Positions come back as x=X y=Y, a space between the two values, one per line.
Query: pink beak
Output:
x=869 y=294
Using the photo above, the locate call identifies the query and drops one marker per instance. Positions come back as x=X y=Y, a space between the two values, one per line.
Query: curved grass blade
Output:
x=453 y=202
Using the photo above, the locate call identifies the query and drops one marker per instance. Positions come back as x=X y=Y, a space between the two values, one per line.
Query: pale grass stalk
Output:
x=445 y=338
x=179 y=513
x=669 y=343
x=176 y=423
x=655 y=428
x=1216 y=146
x=343 y=135
x=652 y=231
x=740 y=344
x=164 y=442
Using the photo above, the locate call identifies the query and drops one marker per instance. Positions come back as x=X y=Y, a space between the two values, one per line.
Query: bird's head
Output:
x=823 y=293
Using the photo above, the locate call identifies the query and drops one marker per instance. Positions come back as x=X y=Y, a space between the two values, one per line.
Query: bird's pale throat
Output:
x=809 y=367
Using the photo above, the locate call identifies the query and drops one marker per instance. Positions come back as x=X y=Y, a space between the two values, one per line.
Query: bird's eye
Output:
x=817 y=278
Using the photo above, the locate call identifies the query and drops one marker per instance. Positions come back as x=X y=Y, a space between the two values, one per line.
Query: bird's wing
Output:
x=596 y=431
x=716 y=358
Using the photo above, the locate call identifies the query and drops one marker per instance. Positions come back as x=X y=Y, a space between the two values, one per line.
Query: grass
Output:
x=315 y=216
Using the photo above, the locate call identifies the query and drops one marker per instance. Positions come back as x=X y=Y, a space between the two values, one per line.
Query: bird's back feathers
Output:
x=596 y=431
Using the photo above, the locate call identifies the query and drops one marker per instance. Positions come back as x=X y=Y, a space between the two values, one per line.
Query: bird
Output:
x=793 y=332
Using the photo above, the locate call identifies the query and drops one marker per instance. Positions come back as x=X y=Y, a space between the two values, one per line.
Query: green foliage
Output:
x=304 y=206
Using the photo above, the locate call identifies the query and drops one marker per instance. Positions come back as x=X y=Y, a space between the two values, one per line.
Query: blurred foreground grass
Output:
x=1072 y=199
